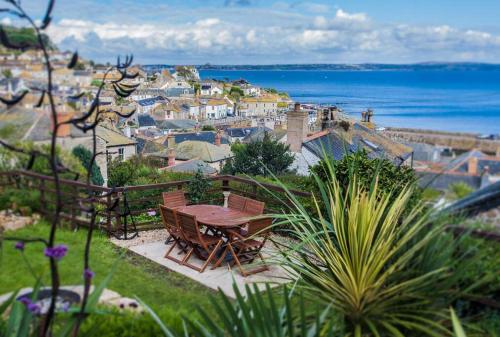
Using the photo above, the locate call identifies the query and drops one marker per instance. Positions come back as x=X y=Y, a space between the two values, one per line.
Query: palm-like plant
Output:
x=360 y=255
x=255 y=315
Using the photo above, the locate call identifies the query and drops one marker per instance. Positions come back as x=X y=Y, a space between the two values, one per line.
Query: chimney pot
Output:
x=218 y=138
x=472 y=165
x=297 y=107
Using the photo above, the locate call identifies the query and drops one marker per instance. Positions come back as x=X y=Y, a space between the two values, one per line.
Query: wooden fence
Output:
x=142 y=200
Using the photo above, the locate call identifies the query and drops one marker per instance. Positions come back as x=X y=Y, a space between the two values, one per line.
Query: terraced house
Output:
x=258 y=106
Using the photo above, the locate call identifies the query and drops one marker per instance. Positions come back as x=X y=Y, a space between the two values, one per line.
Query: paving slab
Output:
x=219 y=278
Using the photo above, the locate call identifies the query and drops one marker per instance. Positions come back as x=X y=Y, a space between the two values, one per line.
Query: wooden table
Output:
x=217 y=216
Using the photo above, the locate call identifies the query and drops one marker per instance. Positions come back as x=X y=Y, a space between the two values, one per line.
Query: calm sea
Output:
x=442 y=100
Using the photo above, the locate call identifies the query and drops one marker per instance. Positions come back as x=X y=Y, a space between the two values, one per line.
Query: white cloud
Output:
x=340 y=37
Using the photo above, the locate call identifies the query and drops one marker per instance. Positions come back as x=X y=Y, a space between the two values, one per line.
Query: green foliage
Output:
x=460 y=190
x=96 y=83
x=7 y=73
x=236 y=93
x=254 y=315
x=26 y=36
x=391 y=179
x=260 y=158
x=387 y=274
x=198 y=187
x=207 y=128
x=24 y=201
x=85 y=157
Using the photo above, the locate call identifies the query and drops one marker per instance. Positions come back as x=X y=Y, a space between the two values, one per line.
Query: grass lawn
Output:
x=163 y=290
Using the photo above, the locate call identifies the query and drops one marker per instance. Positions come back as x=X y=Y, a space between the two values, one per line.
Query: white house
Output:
x=210 y=89
x=215 y=109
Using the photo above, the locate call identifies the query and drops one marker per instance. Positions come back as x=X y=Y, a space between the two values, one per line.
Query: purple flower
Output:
x=34 y=308
x=57 y=252
x=65 y=306
x=25 y=300
x=88 y=274
x=19 y=245
x=152 y=213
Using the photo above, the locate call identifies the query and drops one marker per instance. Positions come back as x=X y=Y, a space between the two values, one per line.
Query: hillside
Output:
x=25 y=37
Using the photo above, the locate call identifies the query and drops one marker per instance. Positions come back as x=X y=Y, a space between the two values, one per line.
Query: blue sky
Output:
x=278 y=31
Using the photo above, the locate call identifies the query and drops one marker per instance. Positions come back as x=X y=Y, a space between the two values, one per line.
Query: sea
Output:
x=446 y=100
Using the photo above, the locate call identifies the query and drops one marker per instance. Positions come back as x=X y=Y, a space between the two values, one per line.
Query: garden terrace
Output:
x=142 y=200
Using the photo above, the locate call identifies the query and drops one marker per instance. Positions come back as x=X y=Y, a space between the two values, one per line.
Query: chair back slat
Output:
x=169 y=218
x=236 y=201
x=260 y=227
x=254 y=207
x=174 y=199
x=188 y=225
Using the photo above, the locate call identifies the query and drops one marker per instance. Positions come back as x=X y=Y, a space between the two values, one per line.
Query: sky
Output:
x=276 y=31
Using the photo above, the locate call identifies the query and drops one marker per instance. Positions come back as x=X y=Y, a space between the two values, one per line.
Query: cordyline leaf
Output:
x=14 y=100
x=74 y=60
x=48 y=18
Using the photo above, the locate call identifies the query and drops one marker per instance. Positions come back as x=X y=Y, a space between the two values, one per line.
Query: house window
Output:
x=121 y=153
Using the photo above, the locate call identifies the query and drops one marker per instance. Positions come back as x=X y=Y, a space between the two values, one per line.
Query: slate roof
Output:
x=192 y=166
x=146 y=146
x=145 y=120
x=243 y=132
x=462 y=160
x=113 y=137
x=203 y=136
x=207 y=152
x=177 y=92
x=330 y=144
x=151 y=101
x=177 y=124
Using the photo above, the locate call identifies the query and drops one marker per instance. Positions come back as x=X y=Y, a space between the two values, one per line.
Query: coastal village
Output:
x=148 y=200
x=188 y=122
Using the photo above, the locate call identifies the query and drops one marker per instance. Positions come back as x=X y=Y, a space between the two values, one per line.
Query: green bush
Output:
x=198 y=187
x=25 y=201
x=460 y=190
x=85 y=156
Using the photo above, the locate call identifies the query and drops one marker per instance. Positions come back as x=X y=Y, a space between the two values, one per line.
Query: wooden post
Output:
x=108 y=214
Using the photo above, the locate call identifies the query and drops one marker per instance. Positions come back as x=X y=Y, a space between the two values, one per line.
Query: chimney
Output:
x=472 y=165
x=363 y=116
x=325 y=119
x=369 y=115
x=171 y=142
x=65 y=129
x=171 y=157
x=127 y=131
x=218 y=138
x=297 y=127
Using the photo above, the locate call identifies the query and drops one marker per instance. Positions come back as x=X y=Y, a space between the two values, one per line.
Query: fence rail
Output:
x=142 y=199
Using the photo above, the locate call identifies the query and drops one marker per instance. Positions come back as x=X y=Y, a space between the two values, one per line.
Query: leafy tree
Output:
x=121 y=173
x=198 y=187
x=236 y=93
x=260 y=158
x=391 y=178
x=85 y=157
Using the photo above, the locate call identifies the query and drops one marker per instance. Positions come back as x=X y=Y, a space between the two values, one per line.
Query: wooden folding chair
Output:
x=200 y=243
x=174 y=199
x=236 y=201
x=172 y=226
x=245 y=248
x=254 y=207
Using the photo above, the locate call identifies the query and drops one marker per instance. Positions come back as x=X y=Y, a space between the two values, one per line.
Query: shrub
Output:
x=260 y=158
x=460 y=190
x=25 y=201
x=198 y=187
x=207 y=128
x=387 y=274
x=391 y=178
x=85 y=157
